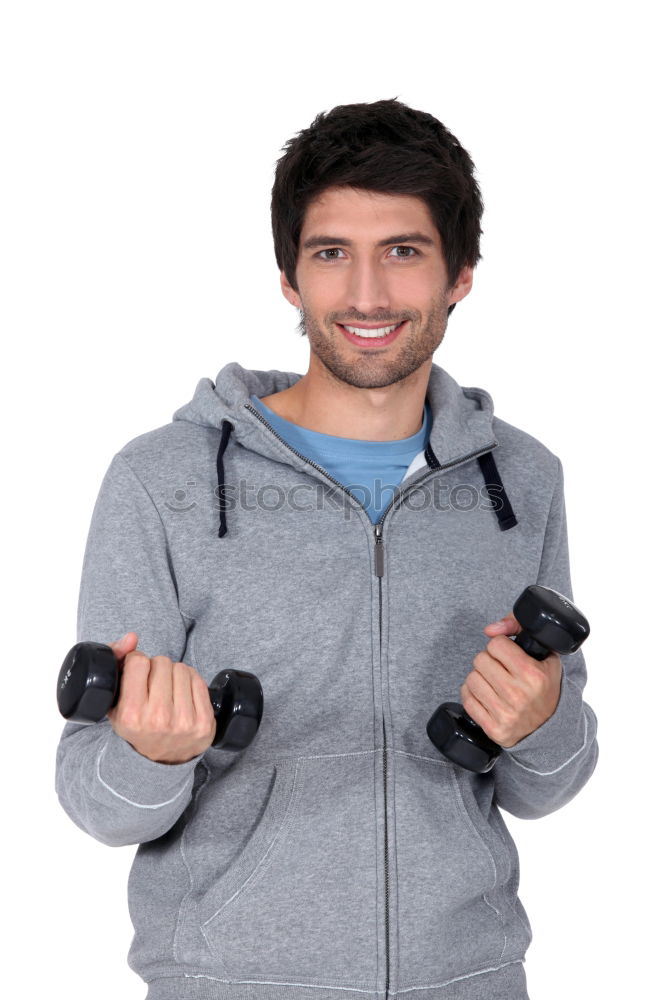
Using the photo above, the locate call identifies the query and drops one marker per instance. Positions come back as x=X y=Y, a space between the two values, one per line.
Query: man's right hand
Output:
x=164 y=709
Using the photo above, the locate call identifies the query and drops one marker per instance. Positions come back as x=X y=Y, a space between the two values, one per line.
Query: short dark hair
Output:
x=388 y=147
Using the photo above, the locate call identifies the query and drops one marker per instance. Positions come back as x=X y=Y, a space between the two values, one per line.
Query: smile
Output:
x=377 y=337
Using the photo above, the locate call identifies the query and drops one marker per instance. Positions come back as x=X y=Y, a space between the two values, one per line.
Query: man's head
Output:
x=361 y=176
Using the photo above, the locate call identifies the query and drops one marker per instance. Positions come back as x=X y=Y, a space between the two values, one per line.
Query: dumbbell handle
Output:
x=89 y=686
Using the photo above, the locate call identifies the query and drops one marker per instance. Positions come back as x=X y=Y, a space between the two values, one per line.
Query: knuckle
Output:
x=495 y=644
x=485 y=665
x=520 y=700
x=538 y=679
x=136 y=659
x=198 y=681
x=160 y=720
x=203 y=730
x=498 y=713
x=471 y=691
x=510 y=715
x=184 y=725
x=477 y=678
x=161 y=661
x=128 y=718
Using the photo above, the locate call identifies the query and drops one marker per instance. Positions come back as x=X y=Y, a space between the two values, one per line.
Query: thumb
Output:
x=121 y=647
x=505 y=626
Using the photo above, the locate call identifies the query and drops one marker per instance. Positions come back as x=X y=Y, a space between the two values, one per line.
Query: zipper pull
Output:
x=379 y=551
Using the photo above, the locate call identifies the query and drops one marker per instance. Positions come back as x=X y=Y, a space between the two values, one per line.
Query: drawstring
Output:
x=227 y=427
x=504 y=512
x=505 y=515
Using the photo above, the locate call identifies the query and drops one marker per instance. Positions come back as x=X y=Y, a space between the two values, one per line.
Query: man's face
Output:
x=368 y=259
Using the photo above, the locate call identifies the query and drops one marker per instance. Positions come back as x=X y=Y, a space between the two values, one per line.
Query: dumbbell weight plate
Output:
x=88 y=682
x=238 y=704
x=461 y=739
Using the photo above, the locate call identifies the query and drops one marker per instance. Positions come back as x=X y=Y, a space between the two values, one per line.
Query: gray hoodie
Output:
x=340 y=856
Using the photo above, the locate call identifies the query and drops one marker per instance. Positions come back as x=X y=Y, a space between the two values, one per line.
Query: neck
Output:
x=321 y=402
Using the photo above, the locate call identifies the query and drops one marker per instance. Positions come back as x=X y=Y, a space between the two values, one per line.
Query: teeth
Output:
x=383 y=331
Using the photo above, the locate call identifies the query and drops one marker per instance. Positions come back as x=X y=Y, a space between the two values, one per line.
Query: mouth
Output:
x=372 y=337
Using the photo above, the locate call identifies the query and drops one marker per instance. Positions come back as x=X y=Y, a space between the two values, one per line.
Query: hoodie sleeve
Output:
x=544 y=771
x=105 y=786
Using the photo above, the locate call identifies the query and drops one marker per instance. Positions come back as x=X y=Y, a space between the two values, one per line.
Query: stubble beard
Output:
x=374 y=371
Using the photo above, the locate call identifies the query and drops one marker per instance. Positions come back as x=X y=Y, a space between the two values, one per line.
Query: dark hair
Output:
x=388 y=147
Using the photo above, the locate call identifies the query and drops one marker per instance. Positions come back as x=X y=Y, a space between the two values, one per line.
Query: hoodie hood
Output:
x=462 y=423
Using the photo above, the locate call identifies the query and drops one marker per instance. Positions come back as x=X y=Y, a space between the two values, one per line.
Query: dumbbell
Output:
x=550 y=623
x=89 y=686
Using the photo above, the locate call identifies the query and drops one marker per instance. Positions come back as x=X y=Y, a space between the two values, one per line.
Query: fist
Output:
x=164 y=709
x=510 y=694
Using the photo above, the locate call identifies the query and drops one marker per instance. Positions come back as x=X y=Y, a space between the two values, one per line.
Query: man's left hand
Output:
x=510 y=694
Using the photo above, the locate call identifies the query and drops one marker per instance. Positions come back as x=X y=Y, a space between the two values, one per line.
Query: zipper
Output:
x=379 y=572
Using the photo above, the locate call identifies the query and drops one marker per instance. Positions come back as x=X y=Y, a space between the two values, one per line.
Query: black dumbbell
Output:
x=550 y=623
x=89 y=686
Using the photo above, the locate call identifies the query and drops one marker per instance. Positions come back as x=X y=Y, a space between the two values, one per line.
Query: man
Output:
x=356 y=537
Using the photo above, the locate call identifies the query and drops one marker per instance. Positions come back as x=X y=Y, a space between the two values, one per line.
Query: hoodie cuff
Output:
x=136 y=779
x=560 y=738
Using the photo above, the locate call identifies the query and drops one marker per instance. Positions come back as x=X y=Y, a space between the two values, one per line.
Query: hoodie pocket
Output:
x=520 y=934
x=299 y=902
x=452 y=867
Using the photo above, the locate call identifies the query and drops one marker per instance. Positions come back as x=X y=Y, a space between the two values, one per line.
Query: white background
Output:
x=139 y=143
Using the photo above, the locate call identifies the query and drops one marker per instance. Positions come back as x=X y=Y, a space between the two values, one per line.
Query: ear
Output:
x=288 y=292
x=463 y=285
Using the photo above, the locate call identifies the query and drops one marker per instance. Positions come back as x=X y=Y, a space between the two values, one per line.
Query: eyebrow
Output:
x=320 y=241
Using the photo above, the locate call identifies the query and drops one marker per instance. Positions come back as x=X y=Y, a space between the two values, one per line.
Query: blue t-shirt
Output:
x=369 y=469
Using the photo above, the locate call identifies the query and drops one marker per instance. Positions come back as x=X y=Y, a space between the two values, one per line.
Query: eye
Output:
x=328 y=250
x=402 y=257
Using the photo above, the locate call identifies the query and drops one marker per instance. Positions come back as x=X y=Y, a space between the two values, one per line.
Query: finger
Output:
x=490 y=696
x=476 y=710
x=182 y=694
x=508 y=625
x=201 y=699
x=121 y=647
x=495 y=673
x=134 y=678
x=160 y=681
x=513 y=657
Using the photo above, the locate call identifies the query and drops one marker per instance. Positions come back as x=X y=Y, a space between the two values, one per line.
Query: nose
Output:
x=367 y=288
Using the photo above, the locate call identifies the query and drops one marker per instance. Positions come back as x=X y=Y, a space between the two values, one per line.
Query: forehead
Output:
x=366 y=216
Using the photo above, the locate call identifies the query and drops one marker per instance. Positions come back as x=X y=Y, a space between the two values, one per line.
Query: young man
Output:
x=356 y=538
